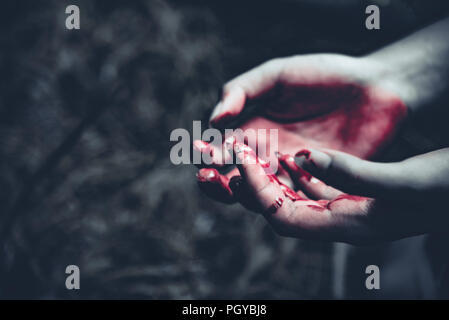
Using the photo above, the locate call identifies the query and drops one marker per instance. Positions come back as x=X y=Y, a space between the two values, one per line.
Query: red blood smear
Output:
x=296 y=171
x=215 y=185
x=349 y=197
x=305 y=153
x=208 y=175
x=279 y=202
x=317 y=208
x=333 y=114
x=292 y=195
x=273 y=178
x=289 y=193
x=305 y=174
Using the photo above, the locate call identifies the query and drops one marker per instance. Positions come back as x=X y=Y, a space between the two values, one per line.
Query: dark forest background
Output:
x=85 y=174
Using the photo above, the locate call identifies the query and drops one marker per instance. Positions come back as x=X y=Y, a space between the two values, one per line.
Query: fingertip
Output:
x=207 y=175
x=215 y=185
x=210 y=155
x=312 y=160
x=289 y=164
x=201 y=146
x=229 y=107
x=216 y=111
x=303 y=153
x=312 y=186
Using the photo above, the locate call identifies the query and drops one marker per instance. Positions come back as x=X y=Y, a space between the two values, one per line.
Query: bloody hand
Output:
x=388 y=201
x=323 y=103
x=315 y=101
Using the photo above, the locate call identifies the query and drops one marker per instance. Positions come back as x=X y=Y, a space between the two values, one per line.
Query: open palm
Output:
x=322 y=101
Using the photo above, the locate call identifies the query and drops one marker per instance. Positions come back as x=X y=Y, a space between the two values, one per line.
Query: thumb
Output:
x=242 y=89
x=353 y=175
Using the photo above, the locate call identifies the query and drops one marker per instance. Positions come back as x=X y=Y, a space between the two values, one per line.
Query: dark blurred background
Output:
x=85 y=174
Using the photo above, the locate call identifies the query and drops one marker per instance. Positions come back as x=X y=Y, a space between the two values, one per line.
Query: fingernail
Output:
x=311 y=159
x=302 y=156
x=304 y=152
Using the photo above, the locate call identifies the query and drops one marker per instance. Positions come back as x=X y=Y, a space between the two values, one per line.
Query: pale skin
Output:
x=318 y=102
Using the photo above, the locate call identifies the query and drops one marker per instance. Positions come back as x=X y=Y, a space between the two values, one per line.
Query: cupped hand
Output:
x=321 y=100
x=345 y=198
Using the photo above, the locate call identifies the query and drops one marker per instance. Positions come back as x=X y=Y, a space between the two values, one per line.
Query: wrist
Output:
x=415 y=68
x=397 y=78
